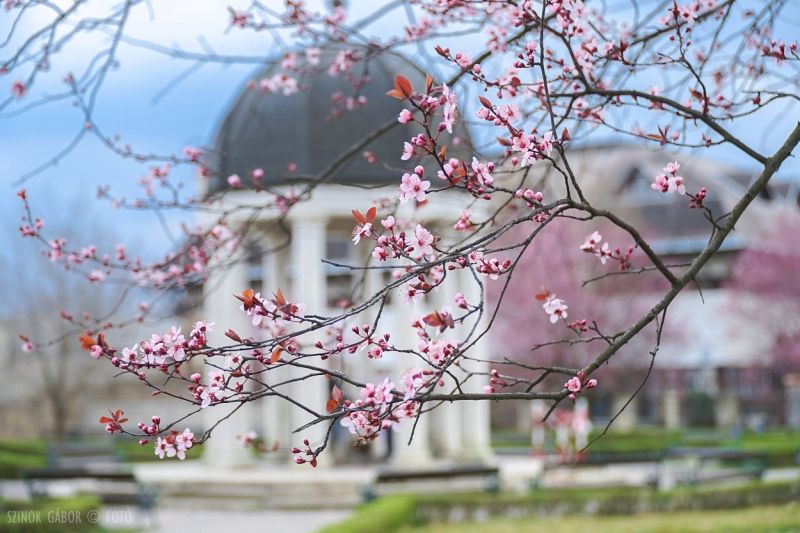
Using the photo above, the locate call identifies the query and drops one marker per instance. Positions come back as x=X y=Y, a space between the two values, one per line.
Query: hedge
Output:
x=390 y=513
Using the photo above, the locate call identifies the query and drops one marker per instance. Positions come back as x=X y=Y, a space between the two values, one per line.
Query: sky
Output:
x=140 y=102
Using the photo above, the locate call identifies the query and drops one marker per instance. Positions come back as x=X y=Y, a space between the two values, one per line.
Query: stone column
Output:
x=447 y=439
x=628 y=417
x=672 y=408
x=228 y=277
x=475 y=421
x=308 y=287
x=275 y=411
x=418 y=452
x=727 y=410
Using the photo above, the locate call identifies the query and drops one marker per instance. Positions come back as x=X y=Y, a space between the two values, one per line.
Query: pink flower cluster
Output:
x=159 y=350
x=577 y=384
x=604 y=253
x=175 y=444
x=670 y=181
x=378 y=408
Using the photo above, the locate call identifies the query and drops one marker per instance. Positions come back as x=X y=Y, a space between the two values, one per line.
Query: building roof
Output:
x=272 y=131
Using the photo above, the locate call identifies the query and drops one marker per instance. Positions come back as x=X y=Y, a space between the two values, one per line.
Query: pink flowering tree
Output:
x=550 y=74
x=764 y=282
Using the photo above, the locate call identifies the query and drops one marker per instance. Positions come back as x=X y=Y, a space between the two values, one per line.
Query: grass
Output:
x=778 y=518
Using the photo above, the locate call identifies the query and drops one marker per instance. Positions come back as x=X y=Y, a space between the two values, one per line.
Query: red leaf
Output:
x=105 y=420
x=247 y=298
x=358 y=216
x=331 y=405
x=371 y=214
x=276 y=355
x=565 y=136
x=280 y=299
x=542 y=296
x=87 y=341
x=402 y=88
x=402 y=84
x=485 y=101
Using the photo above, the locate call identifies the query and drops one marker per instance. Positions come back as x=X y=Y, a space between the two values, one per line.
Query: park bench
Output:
x=110 y=480
x=690 y=465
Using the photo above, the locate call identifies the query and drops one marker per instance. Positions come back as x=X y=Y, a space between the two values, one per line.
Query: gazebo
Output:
x=294 y=138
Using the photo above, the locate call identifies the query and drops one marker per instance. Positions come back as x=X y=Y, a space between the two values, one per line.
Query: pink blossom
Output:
x=555 y=308
x=388 y=222
x=408 y=151
x=405 y=116
x=483 y=171
x=361 y=231
x=235 y=181
x=670 y=181
x=573 y=384
x=423 y=242
x=449 y=110
x=312 y=56
x=18 y=89
x=380 y=254
x=591 y=242
x=413 y=187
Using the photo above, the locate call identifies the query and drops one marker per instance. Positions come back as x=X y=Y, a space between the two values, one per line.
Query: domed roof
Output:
x=272 y=131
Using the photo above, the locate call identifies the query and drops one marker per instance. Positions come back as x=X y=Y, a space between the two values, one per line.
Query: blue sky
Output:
x=186 y=115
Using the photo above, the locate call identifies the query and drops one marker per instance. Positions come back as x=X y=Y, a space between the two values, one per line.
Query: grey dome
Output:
x=270 y=131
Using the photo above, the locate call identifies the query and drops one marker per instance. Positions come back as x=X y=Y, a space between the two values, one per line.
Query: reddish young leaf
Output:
x=402 y=84
x=247 y=298
x=336 y=398
x=331 y=405
x=280 y=299
x=87 y=341
x=358 y=216
x=402 y=88
x=542 y=296
x=485 y=101
x=276 y=355
x=371 y=214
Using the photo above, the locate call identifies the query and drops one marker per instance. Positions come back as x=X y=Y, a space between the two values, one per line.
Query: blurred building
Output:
x=716 y=364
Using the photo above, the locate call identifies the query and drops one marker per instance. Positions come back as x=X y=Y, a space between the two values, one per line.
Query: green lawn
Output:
x=783 y=518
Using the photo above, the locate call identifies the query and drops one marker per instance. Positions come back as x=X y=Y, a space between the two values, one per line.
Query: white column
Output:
x=275 y=411
x=224 y=449
x=308 y=287
x=447 y=439
x=418 y=452
x=475 y=436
